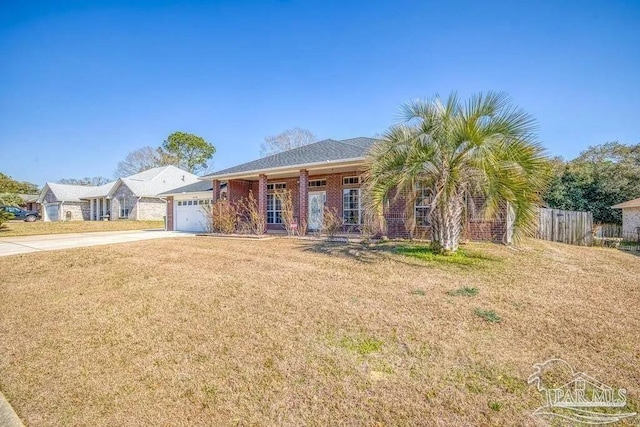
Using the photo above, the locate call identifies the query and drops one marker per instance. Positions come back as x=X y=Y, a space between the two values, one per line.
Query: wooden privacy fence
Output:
x=572 y=227
x=607 y=230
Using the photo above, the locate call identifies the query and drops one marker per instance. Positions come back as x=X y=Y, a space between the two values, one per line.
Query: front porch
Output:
x=99 y=209
x=311 y=191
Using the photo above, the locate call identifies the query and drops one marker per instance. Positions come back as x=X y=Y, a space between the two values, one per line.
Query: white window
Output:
x=351 y=212
x=351 y=180
x=318 y=183
x=274 y=209
x=423 y=206
x=124 y=209
x=276 y=186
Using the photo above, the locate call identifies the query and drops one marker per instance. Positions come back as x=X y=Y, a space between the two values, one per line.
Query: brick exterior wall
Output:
x=630 y=221
x=395 y=215
x=123 y=195
x=78 y=211
x=149 y=208
x=216 y=190
x=479 y=228
x=303 y=197
x=237 y=190
x=261 y=194
x=49 y=197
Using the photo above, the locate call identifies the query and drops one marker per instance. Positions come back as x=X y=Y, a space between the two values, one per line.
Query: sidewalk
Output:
x=8 y=417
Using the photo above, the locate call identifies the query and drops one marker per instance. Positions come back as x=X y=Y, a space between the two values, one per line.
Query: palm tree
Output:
x=482 y=148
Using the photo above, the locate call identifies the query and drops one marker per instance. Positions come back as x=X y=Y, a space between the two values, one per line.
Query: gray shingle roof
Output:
x=148 y=183
x=27 y=198
x=66 y=192
x=328 y=150
x=196 y=187
x=154 y=181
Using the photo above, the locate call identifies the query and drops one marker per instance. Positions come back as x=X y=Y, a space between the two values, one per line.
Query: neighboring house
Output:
x=133 y=197
x=186 y=206
x=29 y=201
x=63 y=201
x=630 y=217
x=326 y=173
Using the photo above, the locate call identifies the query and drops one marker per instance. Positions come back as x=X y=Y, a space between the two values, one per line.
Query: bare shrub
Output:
x=287 y=213
x=331 y=222
x=222 y=217
x=254 y=221
x=208 y=213
x=302 y=227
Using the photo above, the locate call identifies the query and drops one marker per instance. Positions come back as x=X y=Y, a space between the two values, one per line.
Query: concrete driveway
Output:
x=52 y=242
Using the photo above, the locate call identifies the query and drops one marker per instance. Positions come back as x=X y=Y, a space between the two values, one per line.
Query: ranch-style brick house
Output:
x=325 y=173
x=134 y=197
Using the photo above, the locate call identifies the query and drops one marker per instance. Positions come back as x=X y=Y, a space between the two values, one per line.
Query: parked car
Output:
x=19 y=213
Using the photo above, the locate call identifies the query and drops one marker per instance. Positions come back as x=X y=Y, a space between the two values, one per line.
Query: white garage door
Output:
x=52 y=211
x=190 y=216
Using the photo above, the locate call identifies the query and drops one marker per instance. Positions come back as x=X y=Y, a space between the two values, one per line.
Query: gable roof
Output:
x=27 y=198
x=65 y=192
x=100 y=190
x=635 y=203
x=328 y=150
x=146 y=183
x=152 y=182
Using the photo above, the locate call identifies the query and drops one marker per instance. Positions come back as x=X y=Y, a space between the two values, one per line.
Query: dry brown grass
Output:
x=21 y=228
x=286 y=332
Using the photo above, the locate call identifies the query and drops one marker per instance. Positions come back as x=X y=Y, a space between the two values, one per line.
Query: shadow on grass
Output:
x=401 y=252
x=356 y=251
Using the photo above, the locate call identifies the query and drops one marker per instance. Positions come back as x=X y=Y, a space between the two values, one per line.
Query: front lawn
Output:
x=209 y=331
x=22 y=228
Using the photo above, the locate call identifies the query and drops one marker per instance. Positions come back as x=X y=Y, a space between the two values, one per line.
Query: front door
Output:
x=316 y=208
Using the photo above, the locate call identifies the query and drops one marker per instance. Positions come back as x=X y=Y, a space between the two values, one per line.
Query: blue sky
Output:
x=83 y=83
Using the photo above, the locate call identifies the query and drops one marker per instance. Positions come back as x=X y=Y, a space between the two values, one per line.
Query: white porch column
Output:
x=104 y=208
x=90 y=209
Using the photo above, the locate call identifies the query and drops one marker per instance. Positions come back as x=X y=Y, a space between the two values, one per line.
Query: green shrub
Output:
x=4 y=217
x=464 y=291
x=488 y=315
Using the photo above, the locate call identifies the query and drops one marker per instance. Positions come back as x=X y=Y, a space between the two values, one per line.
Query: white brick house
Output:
x=134 y=197
x=630 y=216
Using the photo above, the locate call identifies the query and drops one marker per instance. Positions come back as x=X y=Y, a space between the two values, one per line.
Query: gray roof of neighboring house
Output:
x=328 y=150
x=153 y=182
x=28 y=197
x=148 y=183
x=66 y=192
x=635 y=203
x=100 y=190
